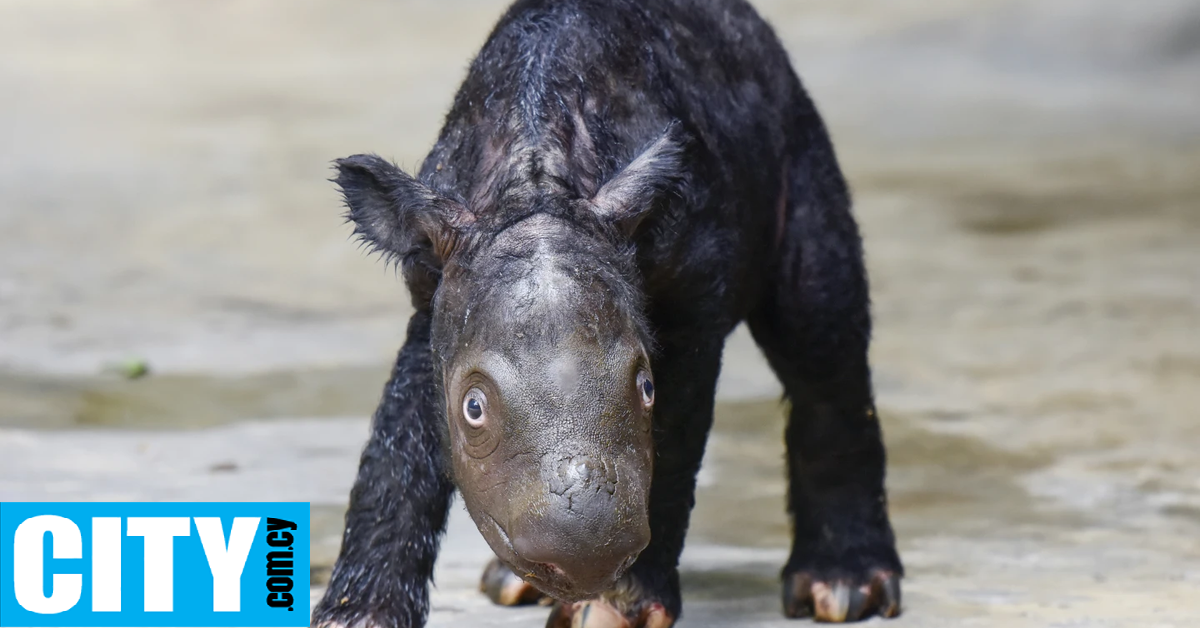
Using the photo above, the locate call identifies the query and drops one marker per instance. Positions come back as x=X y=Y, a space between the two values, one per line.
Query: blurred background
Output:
x=184 y=317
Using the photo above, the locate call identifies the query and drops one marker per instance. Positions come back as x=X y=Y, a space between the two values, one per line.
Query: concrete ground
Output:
x=1027 y=176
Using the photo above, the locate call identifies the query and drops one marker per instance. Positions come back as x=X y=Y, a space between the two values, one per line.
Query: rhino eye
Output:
x=646 y=387
x=475 y=407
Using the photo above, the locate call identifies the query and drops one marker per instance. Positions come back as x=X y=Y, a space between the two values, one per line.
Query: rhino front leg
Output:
x=398 y=505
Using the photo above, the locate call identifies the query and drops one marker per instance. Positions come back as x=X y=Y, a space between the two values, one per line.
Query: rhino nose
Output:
x=585 y=569
x=592 y=528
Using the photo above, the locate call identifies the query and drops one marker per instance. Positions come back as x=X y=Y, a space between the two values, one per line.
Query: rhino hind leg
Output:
x=813 y=324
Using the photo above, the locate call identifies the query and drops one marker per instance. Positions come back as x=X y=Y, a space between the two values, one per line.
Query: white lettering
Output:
x=226 y=563
x=106 y=564
x=159 y=533
x=28 y=570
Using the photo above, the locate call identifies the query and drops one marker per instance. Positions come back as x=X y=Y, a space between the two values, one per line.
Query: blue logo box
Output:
x=154 y=564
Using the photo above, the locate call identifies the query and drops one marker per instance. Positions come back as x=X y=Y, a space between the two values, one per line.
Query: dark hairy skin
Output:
x=618 y=184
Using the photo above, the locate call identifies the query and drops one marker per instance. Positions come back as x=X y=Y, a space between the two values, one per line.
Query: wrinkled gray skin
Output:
x=537 y=318
x=556 y=471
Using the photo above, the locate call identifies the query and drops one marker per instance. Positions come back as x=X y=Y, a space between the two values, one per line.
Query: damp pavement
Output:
x=1027 y=177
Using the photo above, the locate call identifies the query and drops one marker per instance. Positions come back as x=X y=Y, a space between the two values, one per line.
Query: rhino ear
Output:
x=402 y=218
x=628 y=197
x=396 y=214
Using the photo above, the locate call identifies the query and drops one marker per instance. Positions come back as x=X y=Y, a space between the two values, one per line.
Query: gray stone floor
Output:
x=1027 y=176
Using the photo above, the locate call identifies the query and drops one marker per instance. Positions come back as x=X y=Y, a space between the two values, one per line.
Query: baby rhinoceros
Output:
x=618 y=184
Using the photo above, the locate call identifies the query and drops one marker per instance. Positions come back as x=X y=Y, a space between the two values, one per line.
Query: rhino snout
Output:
x=591 y=529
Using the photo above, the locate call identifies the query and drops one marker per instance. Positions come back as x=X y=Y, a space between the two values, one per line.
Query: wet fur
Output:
x=750 y=221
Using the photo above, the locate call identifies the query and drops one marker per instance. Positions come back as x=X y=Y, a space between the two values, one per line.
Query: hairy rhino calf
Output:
x=618 y=184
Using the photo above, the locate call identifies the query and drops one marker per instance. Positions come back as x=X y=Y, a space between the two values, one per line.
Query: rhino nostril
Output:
x=554 y=569
x=628 y=563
